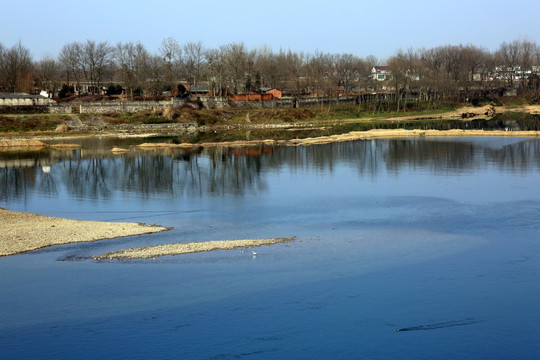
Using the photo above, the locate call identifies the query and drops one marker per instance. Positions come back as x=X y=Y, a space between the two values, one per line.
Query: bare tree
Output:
x=528 y=53
x=236 y=63
x=155 y=81
x=475 y=68
x=295 y=66
x=347 y=70
x=95 y=62
x=433 y=70
x=400 y=66
x=48 y=74
x=16 y=68
x=70 y=58
x=193 y=61
x=132 y=62
x=450 y=72
x=320 y=71
x=171 y=53
x=509 y=57
x=268 y=68
x=3 y=82
x=88 y=60
x=215 y=58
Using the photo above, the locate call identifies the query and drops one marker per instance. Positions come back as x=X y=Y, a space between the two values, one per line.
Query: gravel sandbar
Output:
x=21 y=232
x=187 y=248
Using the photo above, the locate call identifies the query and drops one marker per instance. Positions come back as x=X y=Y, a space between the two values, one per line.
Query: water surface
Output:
x=437 y=236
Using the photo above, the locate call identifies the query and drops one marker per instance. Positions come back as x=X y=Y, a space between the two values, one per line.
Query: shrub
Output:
x=169 y=113
x=66 y=91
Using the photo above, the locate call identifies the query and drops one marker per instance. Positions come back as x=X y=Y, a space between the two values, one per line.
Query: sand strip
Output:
x=21 y=232
x=187 y=248
x=21 y=144
x=351 y=136
x=397 y=133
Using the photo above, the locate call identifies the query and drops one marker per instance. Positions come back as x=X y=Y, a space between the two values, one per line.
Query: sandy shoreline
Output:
x=351 y=136
x=22 y=232
x=21 y=144
x=188 y=248
x=396 y=133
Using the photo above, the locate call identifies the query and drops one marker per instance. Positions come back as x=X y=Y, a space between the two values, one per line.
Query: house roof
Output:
x=382 y=68
x=199 y=88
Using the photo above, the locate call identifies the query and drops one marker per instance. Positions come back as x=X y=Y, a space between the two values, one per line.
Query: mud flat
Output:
x=187 y=248
x=22 y=232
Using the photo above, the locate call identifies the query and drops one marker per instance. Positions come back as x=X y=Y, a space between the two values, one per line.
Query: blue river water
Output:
x=436 y=237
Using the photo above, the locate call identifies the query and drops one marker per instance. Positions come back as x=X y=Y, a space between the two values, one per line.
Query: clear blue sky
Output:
x=359 y=27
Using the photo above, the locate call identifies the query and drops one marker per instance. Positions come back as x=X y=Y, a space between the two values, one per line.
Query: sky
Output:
x=362 y=28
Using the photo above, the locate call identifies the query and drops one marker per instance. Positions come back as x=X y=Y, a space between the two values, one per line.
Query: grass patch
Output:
x=30 y=123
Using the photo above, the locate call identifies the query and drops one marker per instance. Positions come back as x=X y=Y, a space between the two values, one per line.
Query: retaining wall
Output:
x=214 y=102
x=223 y=102
x=56 y=109
x=127 y=106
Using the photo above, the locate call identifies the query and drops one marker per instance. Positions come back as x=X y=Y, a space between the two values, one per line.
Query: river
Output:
x=436 y=237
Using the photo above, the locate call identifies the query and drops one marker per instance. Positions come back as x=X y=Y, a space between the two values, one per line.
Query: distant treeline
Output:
x=443 y=73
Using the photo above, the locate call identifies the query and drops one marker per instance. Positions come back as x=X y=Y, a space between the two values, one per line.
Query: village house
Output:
x=277 y=94
x=24 y=99
x=381 y=73
x=201 y=89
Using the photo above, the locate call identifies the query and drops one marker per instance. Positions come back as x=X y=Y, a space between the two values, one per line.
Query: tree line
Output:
x=451 y=72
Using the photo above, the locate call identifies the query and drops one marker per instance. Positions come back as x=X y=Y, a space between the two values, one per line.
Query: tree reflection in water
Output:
x=97 y=174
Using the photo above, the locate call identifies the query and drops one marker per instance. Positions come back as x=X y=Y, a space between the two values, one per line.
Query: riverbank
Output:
x=229 y=132
x=22 y=232
x=77 y=126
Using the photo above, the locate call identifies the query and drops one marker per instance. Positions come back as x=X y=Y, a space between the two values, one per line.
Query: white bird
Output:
x=254 y=253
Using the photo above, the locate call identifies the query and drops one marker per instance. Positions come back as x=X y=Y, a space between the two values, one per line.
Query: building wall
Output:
x=30 y=101
x=252 y=97
x=276 y=93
